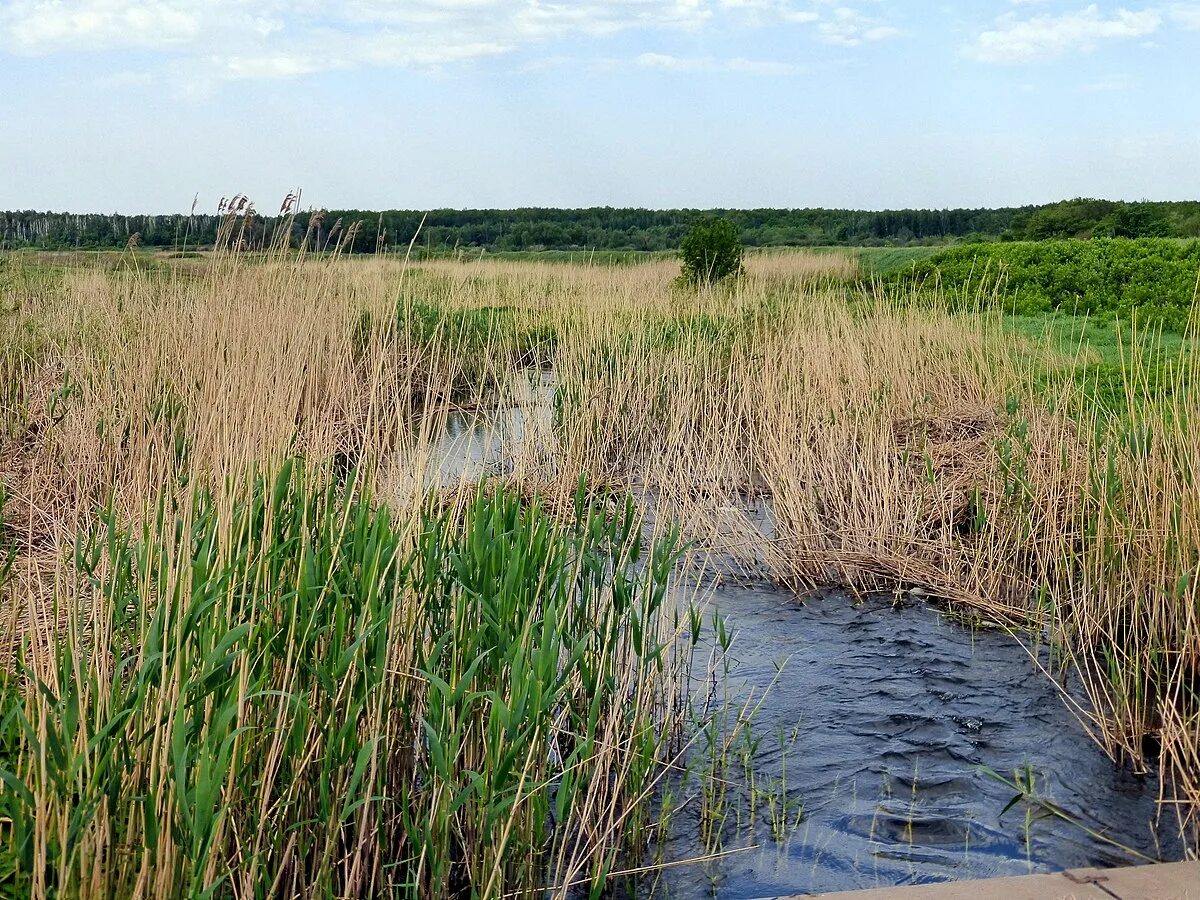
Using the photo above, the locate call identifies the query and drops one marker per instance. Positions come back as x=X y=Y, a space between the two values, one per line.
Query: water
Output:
x=477 y=443
x=895 y=711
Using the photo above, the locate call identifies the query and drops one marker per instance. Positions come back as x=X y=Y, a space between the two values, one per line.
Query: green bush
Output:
x=711 y=251
x=1105 y=278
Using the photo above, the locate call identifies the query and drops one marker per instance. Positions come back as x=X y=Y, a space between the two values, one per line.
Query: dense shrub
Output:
x=711 y=251
x=1155 y=277
x=1087 y=218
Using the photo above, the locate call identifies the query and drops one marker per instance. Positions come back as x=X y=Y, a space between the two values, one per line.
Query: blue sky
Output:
x=138 y=105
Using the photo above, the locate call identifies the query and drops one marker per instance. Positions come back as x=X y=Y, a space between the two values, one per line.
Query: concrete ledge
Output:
x=1170 y=881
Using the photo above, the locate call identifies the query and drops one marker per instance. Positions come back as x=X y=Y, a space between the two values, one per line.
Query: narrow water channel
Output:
x=888 y=717
x=876 y=730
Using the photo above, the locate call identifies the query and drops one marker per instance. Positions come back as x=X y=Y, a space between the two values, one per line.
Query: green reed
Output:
x=299 y=692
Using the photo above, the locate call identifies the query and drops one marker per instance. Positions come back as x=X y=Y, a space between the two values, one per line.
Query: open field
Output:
x=258 y=641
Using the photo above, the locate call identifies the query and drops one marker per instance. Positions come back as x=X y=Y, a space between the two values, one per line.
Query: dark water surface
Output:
x=898 y=710
x=894 y=712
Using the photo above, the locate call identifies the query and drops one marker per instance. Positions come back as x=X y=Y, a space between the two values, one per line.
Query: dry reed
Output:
x=792 y=427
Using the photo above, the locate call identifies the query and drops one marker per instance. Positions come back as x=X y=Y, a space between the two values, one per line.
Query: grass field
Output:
x=884 y=262
x=250 y=649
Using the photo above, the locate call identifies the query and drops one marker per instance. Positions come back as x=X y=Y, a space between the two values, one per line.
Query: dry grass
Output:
x=791 y=430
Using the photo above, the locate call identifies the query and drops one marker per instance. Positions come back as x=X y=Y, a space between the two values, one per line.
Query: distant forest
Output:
x=615 y=229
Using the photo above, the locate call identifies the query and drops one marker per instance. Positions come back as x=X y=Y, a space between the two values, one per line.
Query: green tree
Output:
x=711 y=251
x=1138 y=221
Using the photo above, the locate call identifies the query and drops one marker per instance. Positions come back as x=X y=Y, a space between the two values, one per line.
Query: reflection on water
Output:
x=894 y=712
x=479 y=443
x=511 y=432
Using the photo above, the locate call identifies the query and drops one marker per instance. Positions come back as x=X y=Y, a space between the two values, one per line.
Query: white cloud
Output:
x=1046 y=36
x=836 y=24
x=848 y=28
x=1107 y=86
x=772 y=11
x=287 y=38
x=45 y=26
x=668 y=63
x=526 y=20
x=1186 y=15
x=102 y=23
x=230 y=31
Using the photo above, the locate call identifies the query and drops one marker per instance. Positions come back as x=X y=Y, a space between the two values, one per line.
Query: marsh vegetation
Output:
x=252 y=648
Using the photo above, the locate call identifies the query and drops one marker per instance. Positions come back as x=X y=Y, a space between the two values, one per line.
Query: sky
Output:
x=151 y=105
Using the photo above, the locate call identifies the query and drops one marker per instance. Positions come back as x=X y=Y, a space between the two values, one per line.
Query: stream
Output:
x=895 y=712
x=884 y=719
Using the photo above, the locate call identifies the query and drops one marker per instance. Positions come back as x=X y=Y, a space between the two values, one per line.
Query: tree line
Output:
x=605 y=228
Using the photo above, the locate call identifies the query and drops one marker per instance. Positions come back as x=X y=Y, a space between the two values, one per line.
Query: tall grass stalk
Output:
x=303 y=695
x=793 y=427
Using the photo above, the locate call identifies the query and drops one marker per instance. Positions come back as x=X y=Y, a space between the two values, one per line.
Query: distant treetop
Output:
x=605 y=228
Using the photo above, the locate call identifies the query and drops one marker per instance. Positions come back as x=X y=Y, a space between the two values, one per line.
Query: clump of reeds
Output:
x=794 y=427
x=300 y=693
